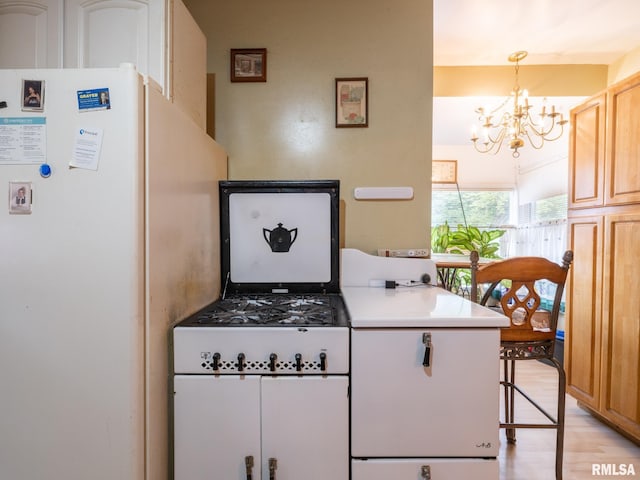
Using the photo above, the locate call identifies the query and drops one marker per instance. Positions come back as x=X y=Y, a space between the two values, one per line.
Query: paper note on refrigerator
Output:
x=23 y=140
x=86 y=148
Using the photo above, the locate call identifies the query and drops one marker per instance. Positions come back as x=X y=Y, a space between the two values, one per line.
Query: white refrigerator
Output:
x=116 y=242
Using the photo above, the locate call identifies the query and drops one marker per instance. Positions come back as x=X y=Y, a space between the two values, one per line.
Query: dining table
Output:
x=448 y=265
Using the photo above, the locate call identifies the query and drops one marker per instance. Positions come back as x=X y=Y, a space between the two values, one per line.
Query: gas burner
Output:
x=312 y=310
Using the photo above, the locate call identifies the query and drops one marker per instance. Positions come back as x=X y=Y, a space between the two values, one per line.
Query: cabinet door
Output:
x=586 y=153
x=621 y=322
x=91 y=40
x=399 y=408
x=584 y=307
x=216 y=424
x=305 y=427
x=31 y=33
x=623 y=148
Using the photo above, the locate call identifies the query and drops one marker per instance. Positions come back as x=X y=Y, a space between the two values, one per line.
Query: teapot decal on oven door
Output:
x=280 y=239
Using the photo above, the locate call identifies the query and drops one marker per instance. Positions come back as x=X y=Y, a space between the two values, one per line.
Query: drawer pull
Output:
x=273 y=465
x=425 y=472
x=426 y=339
x=248 y=463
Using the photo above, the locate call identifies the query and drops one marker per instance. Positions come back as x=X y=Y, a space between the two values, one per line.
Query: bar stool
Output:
x=532 y=332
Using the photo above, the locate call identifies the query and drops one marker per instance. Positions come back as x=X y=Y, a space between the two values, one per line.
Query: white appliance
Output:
x=424 y=375
x=95 y=268
x=261 y=375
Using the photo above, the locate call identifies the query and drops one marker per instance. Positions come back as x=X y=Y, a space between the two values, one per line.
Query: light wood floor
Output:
x=587 y=440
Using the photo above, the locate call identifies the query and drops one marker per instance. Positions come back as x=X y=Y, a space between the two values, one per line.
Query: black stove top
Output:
x=309 y=310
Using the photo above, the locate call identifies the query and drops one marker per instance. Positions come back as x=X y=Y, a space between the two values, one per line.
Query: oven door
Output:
x=400 y=408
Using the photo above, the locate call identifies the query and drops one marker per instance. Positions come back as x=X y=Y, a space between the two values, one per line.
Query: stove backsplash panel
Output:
x=279 y=236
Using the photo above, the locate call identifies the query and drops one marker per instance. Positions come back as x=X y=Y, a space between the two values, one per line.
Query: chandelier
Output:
x=512 y=121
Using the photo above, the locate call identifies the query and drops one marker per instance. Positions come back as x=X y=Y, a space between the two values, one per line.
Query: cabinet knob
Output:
x=216 y=361
x=323 y=361
x=298 y=358
x=272 y=362
x=241 y=362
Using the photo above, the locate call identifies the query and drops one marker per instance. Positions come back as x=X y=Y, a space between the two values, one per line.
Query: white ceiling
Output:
x=486 y=32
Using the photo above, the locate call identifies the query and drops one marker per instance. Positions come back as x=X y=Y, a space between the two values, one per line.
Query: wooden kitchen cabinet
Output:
x=586 y=153
x=583 y=319
x=602 y=344
x=604 y=149
x=622 y=159
x=620 y=380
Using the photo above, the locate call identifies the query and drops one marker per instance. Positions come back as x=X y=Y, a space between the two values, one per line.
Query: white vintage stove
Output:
x=311 y=369
x=261 y=376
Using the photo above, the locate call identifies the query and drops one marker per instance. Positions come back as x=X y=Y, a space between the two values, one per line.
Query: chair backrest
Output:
x=513 y=281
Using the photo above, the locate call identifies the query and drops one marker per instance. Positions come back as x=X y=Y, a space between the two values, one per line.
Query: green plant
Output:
x=465 y=239
x=440 y=238
x=462 y=241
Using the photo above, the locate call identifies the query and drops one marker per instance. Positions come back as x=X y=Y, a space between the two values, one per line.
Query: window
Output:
x=482 y=208
x=552 y=208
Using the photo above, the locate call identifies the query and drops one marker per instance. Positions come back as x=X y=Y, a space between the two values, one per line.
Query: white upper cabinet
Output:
x=31 y=33
x=90 y=33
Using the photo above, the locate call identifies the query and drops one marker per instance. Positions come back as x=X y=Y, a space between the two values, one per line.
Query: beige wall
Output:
x=624 y=67
x=541 y=80
x=285 y=128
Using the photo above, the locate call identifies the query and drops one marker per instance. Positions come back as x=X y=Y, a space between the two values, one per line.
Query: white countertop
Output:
x=419 y=306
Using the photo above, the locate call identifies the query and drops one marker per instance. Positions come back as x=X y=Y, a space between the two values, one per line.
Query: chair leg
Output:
x=511 y=432
x=509 y=398
x=560 y=417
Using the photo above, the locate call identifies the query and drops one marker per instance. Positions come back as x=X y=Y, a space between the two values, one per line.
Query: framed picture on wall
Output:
x=352 y=102
x=444 y=171
x=248 y=65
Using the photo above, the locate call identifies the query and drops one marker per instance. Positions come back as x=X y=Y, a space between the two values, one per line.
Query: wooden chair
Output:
x=532 y=332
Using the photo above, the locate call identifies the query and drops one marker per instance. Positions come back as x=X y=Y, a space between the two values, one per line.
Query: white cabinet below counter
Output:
x=400 y=408
x=301 y=423
x=425 y=380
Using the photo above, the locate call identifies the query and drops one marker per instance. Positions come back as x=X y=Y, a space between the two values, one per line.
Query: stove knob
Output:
x=298 y=358
x=272 y=362
x=323 y=361
x=216 y=361
x=240 y=362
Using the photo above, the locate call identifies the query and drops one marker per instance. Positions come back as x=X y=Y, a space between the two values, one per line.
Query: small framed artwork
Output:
x=444 y=171
x=248 y=65
x=352 y=102
x=19 y=197
x=33 y=95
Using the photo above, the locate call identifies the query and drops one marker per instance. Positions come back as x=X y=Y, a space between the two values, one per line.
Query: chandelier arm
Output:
x=545 y=134
x=542 y=132
x=531 y=142
x=491 y=143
